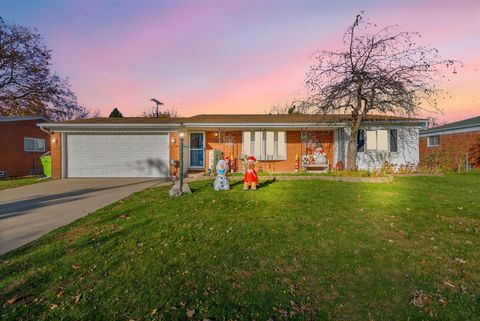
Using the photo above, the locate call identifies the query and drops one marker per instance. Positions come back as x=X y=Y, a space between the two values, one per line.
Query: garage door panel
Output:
x=117 y=155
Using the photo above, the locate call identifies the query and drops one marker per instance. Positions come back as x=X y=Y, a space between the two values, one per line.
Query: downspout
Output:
x=44 y=130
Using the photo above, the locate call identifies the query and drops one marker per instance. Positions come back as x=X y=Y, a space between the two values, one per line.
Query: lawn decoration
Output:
x=251 y=178
x=221 y=181
x=243 y=158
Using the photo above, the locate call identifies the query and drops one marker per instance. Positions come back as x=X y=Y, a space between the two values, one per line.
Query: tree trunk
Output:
x=352 y=146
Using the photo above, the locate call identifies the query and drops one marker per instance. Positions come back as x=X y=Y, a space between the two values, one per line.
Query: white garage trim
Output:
x=124 y=154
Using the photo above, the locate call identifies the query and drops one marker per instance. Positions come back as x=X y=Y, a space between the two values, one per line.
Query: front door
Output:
x=197 y=150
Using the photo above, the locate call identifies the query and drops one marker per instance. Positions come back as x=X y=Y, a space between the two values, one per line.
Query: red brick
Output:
x=13 y=158
x=452 y=146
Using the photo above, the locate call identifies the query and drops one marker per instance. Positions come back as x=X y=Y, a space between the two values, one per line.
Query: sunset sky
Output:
x=229 y=56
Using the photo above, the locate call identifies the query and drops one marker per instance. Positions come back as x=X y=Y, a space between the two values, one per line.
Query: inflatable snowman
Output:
x=221 y=181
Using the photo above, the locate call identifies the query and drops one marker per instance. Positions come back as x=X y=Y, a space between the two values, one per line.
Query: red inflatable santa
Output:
x=251 y=179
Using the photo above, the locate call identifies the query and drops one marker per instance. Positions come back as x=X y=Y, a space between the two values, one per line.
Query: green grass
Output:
x=344 y=173
x=15 y=182
x=297 y=250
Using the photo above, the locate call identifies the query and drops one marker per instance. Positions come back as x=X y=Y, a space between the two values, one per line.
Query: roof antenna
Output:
x=156 y=101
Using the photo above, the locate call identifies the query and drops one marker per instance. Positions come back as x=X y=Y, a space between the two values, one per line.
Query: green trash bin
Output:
x=47 y=165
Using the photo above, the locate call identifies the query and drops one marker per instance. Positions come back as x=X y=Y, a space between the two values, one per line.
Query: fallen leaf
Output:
x=420 y=299
x=76 y=266
x=154 y=311
x=190 y=313
x=13 y=300
x=53 y=306
x=442 y=300
x=77 y=298
x=60 y=293
x=460 y=260
x=449 y=284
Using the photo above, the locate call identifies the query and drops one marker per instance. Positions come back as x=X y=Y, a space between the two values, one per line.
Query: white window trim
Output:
x=189 y=148
x=34 y=150
x=428 y=141
x=389 y=147
x=262 y=155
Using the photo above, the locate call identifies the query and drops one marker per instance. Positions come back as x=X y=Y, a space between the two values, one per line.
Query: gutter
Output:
x=44 y=130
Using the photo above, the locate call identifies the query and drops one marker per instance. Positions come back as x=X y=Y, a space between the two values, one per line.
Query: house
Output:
x=145 y=147
x=21 y=145
x=452 y=143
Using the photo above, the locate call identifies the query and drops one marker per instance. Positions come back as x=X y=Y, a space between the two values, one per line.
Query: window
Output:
x=361 y=140
x=34 y=144
x=382 y=140
x=377 y=140
x=265 y=145
x=433 y=141
x=393 y=140
x=371 y=139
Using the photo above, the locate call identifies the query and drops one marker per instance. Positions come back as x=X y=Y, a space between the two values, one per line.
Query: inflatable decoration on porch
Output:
x=251 y=179
x=221 y=181
x=319 y=155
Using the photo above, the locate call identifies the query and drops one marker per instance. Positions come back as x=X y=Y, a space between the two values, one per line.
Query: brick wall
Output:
x=13 y=158
x=296 y=147
x=174 y=152
x=215 y=140
x=56 y=152
x=451 y=147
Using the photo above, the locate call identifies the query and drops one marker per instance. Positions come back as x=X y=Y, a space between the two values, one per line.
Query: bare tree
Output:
x=168 y=112
x=380 y=70
x=285 y=109
x=27 y=85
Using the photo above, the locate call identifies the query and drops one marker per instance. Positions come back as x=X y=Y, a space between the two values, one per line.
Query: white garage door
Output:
x=117 y=155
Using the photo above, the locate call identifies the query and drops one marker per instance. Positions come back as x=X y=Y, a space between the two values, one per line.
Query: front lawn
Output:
x=300 y=250
x=15 y=182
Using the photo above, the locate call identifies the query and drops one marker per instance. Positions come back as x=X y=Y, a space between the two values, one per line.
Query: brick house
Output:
x=146 y=147
x=452 y=143
x=21 y=145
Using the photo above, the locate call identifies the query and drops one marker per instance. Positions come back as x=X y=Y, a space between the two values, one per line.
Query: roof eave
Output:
x=448 y=129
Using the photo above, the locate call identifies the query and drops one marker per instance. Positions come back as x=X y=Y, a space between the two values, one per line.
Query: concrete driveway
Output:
x=28 y=212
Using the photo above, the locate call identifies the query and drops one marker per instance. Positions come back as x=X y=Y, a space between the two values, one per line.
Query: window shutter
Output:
x=361 y=141
x=382 y=140
x=270 y=145
x=258 y=145
x=371 y=140
x=246 y=143
x=393 y=140
x=282 y=146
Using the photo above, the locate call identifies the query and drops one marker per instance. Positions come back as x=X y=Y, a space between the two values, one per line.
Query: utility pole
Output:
x=156 y=101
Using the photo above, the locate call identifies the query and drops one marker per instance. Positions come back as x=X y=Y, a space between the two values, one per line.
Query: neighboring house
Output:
x=452 y=143
x=21 y=145
x=145 y=147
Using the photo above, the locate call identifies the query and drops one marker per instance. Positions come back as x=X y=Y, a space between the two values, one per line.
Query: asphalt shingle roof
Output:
x=470 y=122
x=235 y=118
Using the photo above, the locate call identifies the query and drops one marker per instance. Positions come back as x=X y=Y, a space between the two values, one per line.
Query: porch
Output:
x=277 y=150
